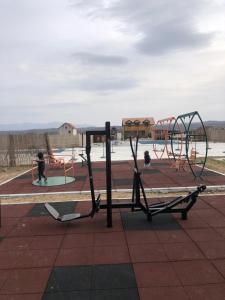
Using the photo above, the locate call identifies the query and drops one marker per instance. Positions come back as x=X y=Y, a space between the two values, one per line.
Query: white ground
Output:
x=122 y=151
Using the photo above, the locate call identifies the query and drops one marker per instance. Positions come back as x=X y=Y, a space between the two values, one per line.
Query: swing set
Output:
x=164 y=126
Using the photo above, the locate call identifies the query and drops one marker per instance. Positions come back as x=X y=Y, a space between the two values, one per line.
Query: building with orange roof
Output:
x=137 y=126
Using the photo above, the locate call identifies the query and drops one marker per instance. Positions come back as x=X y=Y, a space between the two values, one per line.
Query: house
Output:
x=67 y=129
x=160 y=132
x=142 y=127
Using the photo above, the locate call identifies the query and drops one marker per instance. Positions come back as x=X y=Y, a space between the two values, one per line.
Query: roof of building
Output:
x=141 y=120
x=69 y=124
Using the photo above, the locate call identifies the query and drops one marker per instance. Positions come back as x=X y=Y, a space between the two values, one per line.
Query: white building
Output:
x=67 y=129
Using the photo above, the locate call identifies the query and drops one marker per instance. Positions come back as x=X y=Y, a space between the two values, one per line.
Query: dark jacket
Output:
x=147 y=159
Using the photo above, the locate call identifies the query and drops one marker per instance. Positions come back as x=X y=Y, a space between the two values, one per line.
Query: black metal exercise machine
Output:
x=138 y=203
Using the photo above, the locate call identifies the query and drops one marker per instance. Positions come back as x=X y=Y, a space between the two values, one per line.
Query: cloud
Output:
x=162 y=26
x=106 y=84
x=165 y=38
x=134 y=57
x=90 y=58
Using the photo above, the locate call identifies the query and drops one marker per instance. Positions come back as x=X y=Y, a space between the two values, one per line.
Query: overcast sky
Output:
x=91 y=61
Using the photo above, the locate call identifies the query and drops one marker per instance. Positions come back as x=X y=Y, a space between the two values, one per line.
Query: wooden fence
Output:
x=20 y=149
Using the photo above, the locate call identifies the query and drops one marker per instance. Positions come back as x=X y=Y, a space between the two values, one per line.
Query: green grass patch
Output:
x=216 y=165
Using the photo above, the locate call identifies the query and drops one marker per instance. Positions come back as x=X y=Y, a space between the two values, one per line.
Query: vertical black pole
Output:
x=108 y=174
x=91 y=180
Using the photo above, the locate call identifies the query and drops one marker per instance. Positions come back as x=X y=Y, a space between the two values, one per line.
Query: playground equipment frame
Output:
x=61 y=164
x=136 y=202
x=188 y=136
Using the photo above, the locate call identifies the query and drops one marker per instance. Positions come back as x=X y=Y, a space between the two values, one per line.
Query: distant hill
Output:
x=52 y=126
x=215 y=123
x=220 y=124
x=35 y=126
x=84 y=129
x=28 y=126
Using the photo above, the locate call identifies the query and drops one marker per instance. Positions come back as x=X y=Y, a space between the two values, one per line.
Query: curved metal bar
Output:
x=89 y=164
x=134 y=152
x=194 y=114
x=175 y=155
x=169 y=121
x=155 y=150
x=187 y=133
x=187 y=143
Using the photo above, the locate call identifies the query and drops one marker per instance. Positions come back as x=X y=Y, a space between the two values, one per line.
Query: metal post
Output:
x=108 y=175
x=103 y=150
x=88 y=152
x=112 y=147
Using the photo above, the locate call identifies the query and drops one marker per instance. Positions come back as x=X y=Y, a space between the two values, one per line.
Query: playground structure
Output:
x=188 y=137
x=179 y=142
x=139 y=201
x=52 y=161
x=83 y=158
x=165 y=128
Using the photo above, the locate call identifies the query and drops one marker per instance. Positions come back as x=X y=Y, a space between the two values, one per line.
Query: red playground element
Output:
x=163 y=133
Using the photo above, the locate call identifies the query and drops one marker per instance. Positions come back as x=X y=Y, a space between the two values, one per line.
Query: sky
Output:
x=91 y=61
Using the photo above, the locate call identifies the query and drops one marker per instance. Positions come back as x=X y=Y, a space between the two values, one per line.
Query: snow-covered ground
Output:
x=122 y=151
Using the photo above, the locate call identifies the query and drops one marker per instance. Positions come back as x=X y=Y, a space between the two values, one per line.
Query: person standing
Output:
x=147 y=159
x=41 y=166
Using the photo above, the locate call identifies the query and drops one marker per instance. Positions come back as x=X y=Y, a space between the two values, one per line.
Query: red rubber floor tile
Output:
x=46 y=242
x=78 y=240
x=8 y=259
x=3 y=277
x=36 y=259
x=197 y=272
x=221 y=231
x=209 y=292
x=15 y=211
x=182 y=251
x=141 y=237
x=155 y=274
x=111 y=255
x=172 y=236
x=15 y=243
x=194 y=221
x=163 y=293
x=220 y=265
x=9 y=221
x=147 y=253
x=22 y=297
x=38 y=226
x=110 y=238
x=26 y=281
x=212 y=250
x=75 y=256
x=204 y=235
